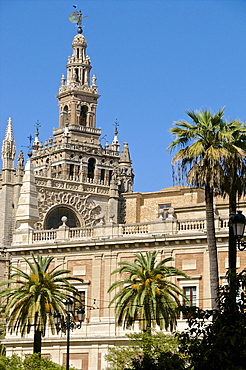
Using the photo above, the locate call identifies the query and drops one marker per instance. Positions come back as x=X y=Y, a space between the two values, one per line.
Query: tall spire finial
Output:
x=36 y=142
x=115 y=143
x=9 y=130
x=8 y=147
x=116 y=125
x=37 y=124
x=76 y=17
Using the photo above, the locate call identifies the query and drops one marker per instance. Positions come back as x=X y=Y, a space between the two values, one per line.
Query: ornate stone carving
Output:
x=122 y=210
x=87 y=209
x=20 y=162
x=8 y=149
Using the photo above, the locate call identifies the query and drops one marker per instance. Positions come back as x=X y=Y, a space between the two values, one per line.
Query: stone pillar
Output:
x=110 y=265
x=205 y=281
x=96 y=286
x=73 y=114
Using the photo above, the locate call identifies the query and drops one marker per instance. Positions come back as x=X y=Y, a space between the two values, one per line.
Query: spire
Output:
x=125 y=156
x=9 y=131
x=78 y=92
x=8 y=147
x=37 y=144
x=27 y=210
x=126 y=171
x=79 y=64
x=115 y=143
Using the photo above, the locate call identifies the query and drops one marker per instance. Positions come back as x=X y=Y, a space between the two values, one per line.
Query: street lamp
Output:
x=69 y=323
x=238 y=224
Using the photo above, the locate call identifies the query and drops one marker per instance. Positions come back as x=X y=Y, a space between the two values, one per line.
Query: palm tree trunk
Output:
x=37 y=341
x=232 y=241
x=232 y=253
x=212 y=249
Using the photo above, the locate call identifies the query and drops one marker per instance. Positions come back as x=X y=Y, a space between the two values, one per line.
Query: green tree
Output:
x=2 y=332
x=201 y=156
x=217 y=340
x=30 y=300
x=147 y=294
x=234 y=186
x=158 y=349
x=234 y=164
x=32 y=362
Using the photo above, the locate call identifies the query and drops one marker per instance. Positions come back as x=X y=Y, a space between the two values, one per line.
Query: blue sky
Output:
x=153 y=59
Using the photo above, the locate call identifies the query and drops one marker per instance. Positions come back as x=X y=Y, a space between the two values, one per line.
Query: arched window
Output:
x=83 y=115
x=76 y=74
x=53 y=219
x=91 y=168
x=65 y=115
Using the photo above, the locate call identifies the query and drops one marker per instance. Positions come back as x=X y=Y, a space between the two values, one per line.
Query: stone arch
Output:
x=83 y=115
x=65 y=113
x=53 y=217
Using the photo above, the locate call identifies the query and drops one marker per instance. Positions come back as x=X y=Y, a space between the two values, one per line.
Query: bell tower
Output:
x=75 y=175
x=78 y=95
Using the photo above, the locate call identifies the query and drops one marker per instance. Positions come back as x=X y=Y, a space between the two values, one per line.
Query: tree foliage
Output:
x=146 y=351
x=221 y=342
x=33 y=362
x=211 y=155
x=147 y=294
x=30 y=299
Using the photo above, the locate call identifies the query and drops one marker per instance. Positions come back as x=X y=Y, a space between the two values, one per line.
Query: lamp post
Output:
x=69 y=324
x=238 y=224
x=236 y=232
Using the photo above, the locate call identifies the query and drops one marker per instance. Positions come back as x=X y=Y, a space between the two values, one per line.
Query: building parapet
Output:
x=112 y=231
x=73 y=183
x=85 y=129
x=75 y=147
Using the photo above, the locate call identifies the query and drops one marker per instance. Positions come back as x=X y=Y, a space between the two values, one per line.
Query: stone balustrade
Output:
x=189 y=225
x=44 y=235
x=79 y=233
x=131 y=229
x=111 y=231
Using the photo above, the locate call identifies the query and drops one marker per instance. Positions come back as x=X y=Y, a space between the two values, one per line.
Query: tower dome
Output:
x=79 y=41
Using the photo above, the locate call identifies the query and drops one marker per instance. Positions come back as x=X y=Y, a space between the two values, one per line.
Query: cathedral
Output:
x=73 y=199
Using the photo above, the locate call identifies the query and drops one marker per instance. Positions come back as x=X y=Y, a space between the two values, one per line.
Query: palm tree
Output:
x=234 y=186
x=147 y=294
x=212 y=142
x=33 y=299
x=234 y=164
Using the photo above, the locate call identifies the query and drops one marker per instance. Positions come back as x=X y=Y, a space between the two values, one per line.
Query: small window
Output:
x=91 y=168
x=71 y=170
x=110 y=176
x=163 y=210
x=102 y=174
x=65 y=115
x=191 y=293
x=83 y=115
x=76 y=75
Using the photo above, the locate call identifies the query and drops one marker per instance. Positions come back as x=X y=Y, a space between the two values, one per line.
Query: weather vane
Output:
x=76 y=17
x=116 y=125
x=30 y=138
x=37 y=124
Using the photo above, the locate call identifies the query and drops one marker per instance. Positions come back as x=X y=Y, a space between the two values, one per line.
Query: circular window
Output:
x=53 y=220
